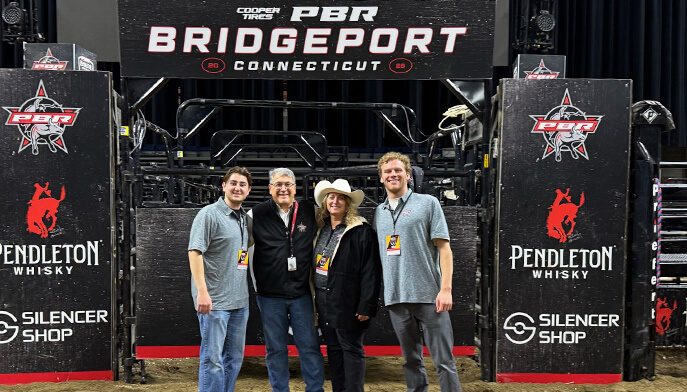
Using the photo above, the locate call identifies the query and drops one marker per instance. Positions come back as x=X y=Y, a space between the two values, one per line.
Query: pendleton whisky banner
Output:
x=55 y=238
x=562 y=221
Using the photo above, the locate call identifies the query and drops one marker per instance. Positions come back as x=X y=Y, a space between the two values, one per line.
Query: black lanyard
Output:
x=293 y=224
x=398 y=208
x=240 y=221
x=242 y=227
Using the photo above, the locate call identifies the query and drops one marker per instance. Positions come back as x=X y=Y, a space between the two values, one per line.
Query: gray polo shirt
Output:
x=414 y=276
x=219 y=232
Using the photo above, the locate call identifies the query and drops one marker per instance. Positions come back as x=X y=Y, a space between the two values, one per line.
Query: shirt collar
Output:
x=403 y=199
x=340 y=225
x=228 y=211
x=278 y=209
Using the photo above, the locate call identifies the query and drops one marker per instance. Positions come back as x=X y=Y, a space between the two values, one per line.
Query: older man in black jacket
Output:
x=283 y=232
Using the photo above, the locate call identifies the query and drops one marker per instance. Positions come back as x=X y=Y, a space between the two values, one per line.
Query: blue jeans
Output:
x=277 y=314
x=223 y=341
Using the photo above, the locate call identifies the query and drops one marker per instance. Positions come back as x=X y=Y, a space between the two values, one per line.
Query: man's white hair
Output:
x=282 y=171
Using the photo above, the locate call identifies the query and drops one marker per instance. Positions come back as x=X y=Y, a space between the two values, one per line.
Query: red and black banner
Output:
x=671 y=316
x=562 y=219
x=55 y=237
x=295 y=39
x=58 y=57
x=539 y=67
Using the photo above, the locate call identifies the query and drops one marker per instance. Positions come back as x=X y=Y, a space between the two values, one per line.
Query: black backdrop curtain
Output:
x=643 y=40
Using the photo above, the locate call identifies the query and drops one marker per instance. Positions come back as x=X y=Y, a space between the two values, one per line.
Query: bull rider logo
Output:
x=49 y=62
x=663 y=315
x=565 y=128
x=561 y=221
x=43 y=211
x=541 y=72
x=41 y=121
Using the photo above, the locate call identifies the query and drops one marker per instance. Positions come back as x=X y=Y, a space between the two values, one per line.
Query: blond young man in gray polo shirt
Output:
x=417 y=265
x=218 y=256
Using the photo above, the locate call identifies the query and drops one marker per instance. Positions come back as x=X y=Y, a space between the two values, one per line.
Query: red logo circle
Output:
x=213 y=65
x=400 y=65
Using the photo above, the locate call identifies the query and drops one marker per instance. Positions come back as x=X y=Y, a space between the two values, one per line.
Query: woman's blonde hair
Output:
x=350 y=216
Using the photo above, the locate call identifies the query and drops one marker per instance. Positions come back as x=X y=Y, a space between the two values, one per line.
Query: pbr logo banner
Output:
x=307 y=39
x=540 y=67
x=58 y=57
x=562 y=217
x=55 y=237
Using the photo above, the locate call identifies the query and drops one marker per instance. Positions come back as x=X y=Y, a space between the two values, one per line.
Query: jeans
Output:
x=223 y=341
x=345 y=351
x=436 y=327
x=277 y=314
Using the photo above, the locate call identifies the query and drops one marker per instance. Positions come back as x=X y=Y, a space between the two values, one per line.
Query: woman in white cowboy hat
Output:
x=347 y=281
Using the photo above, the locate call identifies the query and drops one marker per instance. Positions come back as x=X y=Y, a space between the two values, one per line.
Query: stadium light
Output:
x=20 y=22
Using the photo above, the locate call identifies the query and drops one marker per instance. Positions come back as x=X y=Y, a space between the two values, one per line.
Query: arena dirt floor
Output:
x=383 y=374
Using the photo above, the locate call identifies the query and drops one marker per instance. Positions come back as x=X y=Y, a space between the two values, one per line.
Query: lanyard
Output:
x=241 y=223
x=399 y=208
x=293 y=225
x=242 y=227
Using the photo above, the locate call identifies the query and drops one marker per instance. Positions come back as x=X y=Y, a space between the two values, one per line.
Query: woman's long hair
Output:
x=350 y=216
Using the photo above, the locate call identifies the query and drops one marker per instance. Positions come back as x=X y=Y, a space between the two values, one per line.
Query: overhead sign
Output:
x=307 y=39
x=56 y=234
x=562 y=218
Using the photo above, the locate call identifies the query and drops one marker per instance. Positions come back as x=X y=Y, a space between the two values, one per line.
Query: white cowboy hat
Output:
x=339 y=186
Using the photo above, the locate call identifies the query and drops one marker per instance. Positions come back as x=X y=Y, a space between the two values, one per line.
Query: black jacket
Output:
x=354 y=278
x=272 y=248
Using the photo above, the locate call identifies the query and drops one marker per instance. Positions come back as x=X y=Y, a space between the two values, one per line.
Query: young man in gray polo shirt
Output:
x=218 y=255
x=417 y=265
